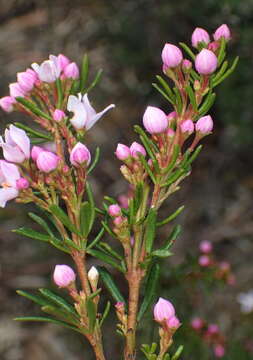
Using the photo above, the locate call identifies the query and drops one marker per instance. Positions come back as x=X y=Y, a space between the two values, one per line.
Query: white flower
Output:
x=49 y=70
x=85 y=115
x=246 y=301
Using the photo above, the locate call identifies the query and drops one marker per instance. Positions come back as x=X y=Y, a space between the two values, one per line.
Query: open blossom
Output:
x=49 y=70
x=85 y=115
x=16 y=147
x=71 y=71
x=9 y=175
x=63 y=61
x=26 y=80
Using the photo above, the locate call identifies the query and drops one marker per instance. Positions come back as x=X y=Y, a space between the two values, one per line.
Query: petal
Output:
x=47 y=71
x=7 y=194
x=90 y=110
x=19 y=137
x=55 y=61
x=95 y=118
x=10 y=173
x=8 y=138
x=73 y=101
x=35 y=67
x=13 y=153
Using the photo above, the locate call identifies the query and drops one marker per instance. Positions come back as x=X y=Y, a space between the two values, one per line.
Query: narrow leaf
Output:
x=58 y=301
x=105 y=313
x=46 y=319
x=105 y=258
x=84 y=73
x=178 y=353
x=171 y=217
x=163 y=93
x=97 y=239
x=192 y=97
x=35 y=298
x=91 y=311
x=33 y=132
x=188 y=50
x=107 y=279
x=95 y=81
x=32 y=107
x=96 y=159
x=32 y=234
x=150 y=230
x=63 y=217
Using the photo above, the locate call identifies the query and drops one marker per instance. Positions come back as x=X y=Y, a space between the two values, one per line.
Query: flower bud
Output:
x=186 y=66
x=80 y=155
x=200 y=36
x=204 y=261
x=26 y=81
x=219 y=350
x=114 y=210
x=163 y=310
x=58 y=115
x=170 y=133
x=171 y=56
x=213 y=46
x=47 y=161
x=206 y=62
x=172 y=116
x=122 y=152
x=118 y=220
x=204 y=125
x=155 y=120
x=93 y=276
x=197 y=323
x=205 y=246
x=187 y=126
x=36 y=150
x=71 y=71
x=63 y=275
x=63 y=61
x=7 y=103
x=137 y=149
x=22 y=184
x=222 y=31
x=213 y=329
x=173 y=323
x=16 y=90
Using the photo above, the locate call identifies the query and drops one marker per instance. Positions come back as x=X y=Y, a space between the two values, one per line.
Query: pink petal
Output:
x=7 y=194
x=10 y=173
x=21 y=139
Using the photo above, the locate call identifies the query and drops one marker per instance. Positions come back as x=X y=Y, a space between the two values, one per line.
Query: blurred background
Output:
x=125 y=38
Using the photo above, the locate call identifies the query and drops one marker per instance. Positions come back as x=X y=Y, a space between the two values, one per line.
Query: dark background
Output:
x=125 y=38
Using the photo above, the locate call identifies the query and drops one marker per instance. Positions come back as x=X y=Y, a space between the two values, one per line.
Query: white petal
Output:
x=90 y=110
x=55 y=61
x=35 y=67
x=95 y=118
x=13 y=153
x=19 y=137
x=10 y=173
x=73 y=101
x=7 y=194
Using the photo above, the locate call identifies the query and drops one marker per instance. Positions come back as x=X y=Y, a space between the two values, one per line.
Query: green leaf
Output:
x=97 y=239
x=87 y=215
x=33 y=132
x=92 y=313
x=46 y=319
x=160 y=253
x=56 y=299
x=105 y=313
x=163 y=93
x=195 y=154
x=35 y=298
x=228 y=72
x=172 y=237
x=171 y=217
x=179 y=102
x=166 y=88
x=221 y=71
x=150 y=230
x=207 y=104
x=108 y=281
x=84 y=73
x=192 y=97
x=178 y=353
x=150 y=289
x=32 y=234
x=176 y=151
x=147 y=168
x=107 y=228
x=41 y=222
x=59 y=93
x=72 y=244
x=32 y=107
x=222 y=52
x=95 y=81
x=96 y=159
x=63 y=217
x=105 y=258
x=106 y=247
x=60 y=314
x=188 y=50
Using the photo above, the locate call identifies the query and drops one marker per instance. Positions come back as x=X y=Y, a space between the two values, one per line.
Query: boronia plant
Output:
x=51 y=168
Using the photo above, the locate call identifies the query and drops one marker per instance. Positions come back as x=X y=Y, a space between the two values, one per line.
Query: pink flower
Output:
x=204 y=125
x=26 y=81
x=16 y=147
x=114 y=210
x=173 y=323
x=206 y=62
x=63 y=61
x=163 y=310
x=199 y=36
x=204 y=261
x=222 y=31
x=186 y=65
x=84 y=114
x=187 y=126
x=213 y=329
x=219 y=350
x=170 y=133
x=118 y=220
x=71 y=71
x=16 y=90
x=172 y=116
x=9 y=175
x=7 y=103
x=80 y=155
x=122 y=152
x=49 y=70
x=205 y=246
x=22 y=183
x=36 y=150
x=47 y=161
x=171 y=55
x=137 y=149
x=197 y=323
x=58 y=115
x=63 y=275
x=155 y=120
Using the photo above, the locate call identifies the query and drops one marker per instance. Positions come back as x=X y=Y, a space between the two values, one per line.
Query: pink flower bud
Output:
x=163 y=310
x=204 y=261
x=47 y=161
x=120 y=306
x=122 y=152
x=22 y=183
x=16 y=90
x=199 y=36
x=206 y=62
x=213 y=329
x=80 y=155
x=219 y=350
x=7 y=103
x=204 y=125
x=123 y=201
x=187 y=126
x=205 y=246
x=118 y=220
x=173 y=323
x=213 y=46
x=224 y=266
x=171 y=56
x=58 y=115
x=172 y=116
x=136 y=148
x=26 y=81
x=155 y=120
x=197 y=323
x=170 y=133
x=114 y=210
x=63 y=61
x=186 y=65
x=63 y=275
x=71 y=71
x=222 y=31
x=32 y=73
x=36 y=150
